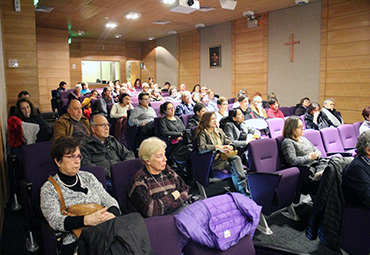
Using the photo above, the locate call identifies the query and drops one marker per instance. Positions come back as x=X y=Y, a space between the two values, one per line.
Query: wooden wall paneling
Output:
x=348 y=63
x=149 y=60
x=349 y=21
x=189 y=58
x=349 y=89
x=349 y=35
x=234 y=90
x=348 y=7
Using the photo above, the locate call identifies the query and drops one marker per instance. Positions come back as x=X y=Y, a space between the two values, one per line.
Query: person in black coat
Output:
x=314 y=119
x=302 y=106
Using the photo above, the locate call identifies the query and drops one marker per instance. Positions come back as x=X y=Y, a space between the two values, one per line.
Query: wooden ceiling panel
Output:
x=90 y=16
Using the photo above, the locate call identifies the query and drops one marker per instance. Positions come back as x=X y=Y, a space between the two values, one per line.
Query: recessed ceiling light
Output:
x=151 y=38
x=133 y=15
x=168 y=1
x=173 y=32
x=80 y=32
x=161 y=22
x=111 y=24
x=118 y=36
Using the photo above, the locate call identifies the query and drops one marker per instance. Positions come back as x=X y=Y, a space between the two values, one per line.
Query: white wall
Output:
x=293 y=80
x=218 y=79
x=166 y=60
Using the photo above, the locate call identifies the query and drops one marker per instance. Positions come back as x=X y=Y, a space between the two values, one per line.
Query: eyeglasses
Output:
x=103 y=125
x=74 y=157
x=170 y=108
x=145 y=99
x=300 y=127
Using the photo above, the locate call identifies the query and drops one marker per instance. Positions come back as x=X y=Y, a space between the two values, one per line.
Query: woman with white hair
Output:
x=257 y=110
x=76 y=93
x=156 y=189
x=356 y=178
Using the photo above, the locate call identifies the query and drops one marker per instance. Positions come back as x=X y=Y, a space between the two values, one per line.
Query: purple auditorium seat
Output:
x=157 y=131
x=332 y=142
x=64 y=94
x=347 y=136
x=271 y=187
x=185 y=119
x=98 y=172
x=276 y=126
x=131 y=133
x=231 y=100
x=81 y=98
x=356 y=127
x=94 y=104
x=292 y=109
x=302 y=119
x=122 y=174
x=285 y=110
x=175 y=103
x=315 y=138
x=165 y=94
x=163 y=234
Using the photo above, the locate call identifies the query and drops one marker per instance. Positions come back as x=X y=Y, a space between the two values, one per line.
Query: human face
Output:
x=94 y=94
x=182 y=87
x=329 y=105
x=257 y=102
x=299 y=130
x=186 y=98
x=144 y=102
x=101 y=128
x=244 y=103
x=75 y=110
x=223 y=107
x=274 y=106
x=145 y=88
x=212 y=122
x=70 y=164
x=205 y=100
x=201 y=112
x=174 y=92
x=157 y=162
x=126 y=100
x=204 y=89
x=239 y=117
x=317 y=109
x=25 y=109
x=108 y=92
x=170 y=111
x=306 y=103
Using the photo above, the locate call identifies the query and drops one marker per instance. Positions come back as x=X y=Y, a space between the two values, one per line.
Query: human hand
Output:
x=313 y=155
x=318 y=176
x=98 y=217
x=143 y=123
x=175 y=194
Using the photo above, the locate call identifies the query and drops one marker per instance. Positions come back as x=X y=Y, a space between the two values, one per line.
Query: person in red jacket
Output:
x=274 y=111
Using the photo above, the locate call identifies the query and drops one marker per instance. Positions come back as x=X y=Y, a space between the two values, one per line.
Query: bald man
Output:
x=72 y=123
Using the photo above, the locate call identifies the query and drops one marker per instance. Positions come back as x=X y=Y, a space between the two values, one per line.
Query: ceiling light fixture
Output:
x=81 y=32
x=200 y=25
x=151 y=38
x=133 y=15
x=228 y=4
x=168 y=1
x=173 y=32
x=117 y=36
x=111 y=24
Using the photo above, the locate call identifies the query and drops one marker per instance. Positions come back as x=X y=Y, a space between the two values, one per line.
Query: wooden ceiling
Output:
x=90 y=16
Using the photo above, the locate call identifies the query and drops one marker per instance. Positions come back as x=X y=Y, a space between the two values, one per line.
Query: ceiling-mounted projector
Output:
x=228 y=4
x=185 y=6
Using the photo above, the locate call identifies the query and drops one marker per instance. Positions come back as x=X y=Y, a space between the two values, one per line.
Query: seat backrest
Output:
x=163 y=234
x=98 y=172
x=185 y=119
x=157 y=131
x=285 y=110
x=356 y=127
x=38 y=165
x=122 y=174
x=64 y=94
x=347 y=136
x=283 y=162
x=331 y=140
x=302 y=119
x=94 y=104
x=292 y=110
x=314 y=137
x=276 y=126
x=263 y=156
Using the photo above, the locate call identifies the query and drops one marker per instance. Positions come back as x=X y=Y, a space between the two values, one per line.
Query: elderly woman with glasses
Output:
x=299 y=151
x=77 y=187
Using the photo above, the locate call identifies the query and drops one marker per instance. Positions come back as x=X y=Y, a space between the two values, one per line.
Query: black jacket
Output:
x=322 y=121
x=122 y=235
x=328 y=206
x=194 y=121
x=300 y=110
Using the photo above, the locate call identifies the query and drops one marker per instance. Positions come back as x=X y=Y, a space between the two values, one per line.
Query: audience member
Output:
x=209 y=137
x=86 y=104
x=182 y=88
x=156 y=189
x=205 y=100
x=274 y=111
x=241 y=92
x=302 y=106
x=195 y=93
x=120 y=109
x=156 y=96
x=265 y=104
x=85 y=88
x=212 y=101
x=314 y=119
x=21 y=95
x=151 y=81
x=204 y=90
x=223 y=105
x=199 y=110
x=146 y=88
x=174 y=96
x=366 y=124
x=137 y=83
x=115 y=91
x=57 y=101
x=76 y=93
x=166 y=87
x=102 y=149
x=243 y=106
x=102 y=106
x=72 y=123
x=356 y=178
x=257 y=111
x=186 y=106
x=299 y=151
x=77 y=187
x=330 y=113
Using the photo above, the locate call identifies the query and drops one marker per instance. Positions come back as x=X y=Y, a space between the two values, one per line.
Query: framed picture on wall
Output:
x=215 y=56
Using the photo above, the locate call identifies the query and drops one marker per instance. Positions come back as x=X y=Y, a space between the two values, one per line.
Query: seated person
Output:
x=239 y=133
x=314 y=119
x=146 y=88
x=205 y=100
x=366 y=124
x=137 y=83
x=223 y=105
x=199 y=110
x=143 y=115
x=116 y=88
x=170 y=126
x=265 y=104
x=156 y=189
x=299 y=151
x=241 y=92
x=209 y=137
x=27 y=112
x=356 y=178
x=186 y=106
x=330 y=113
x=195 y=94
x=57 y=101
x=174 y=96
x=182 y=89
x=85 y=88
x=274 y=111
x=76 y=93
x=22 y=94
x=102 y=106
x=166 y=87
x=86 y=104
x=100 y=148
x=212 y=101
x=243 y=106
x=72 y=123
x=257 y=111
x=120 y=109
x=302 y=106
x=156 y=95
x=77 y=188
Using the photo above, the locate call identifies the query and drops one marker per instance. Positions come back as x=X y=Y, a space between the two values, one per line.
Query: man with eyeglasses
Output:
x=72 y=123
x=330 y=114
x=143 y=115
x=100 y=148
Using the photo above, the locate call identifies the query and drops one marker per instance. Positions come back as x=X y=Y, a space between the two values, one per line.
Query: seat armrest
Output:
x=343 y=153
x=262 y=249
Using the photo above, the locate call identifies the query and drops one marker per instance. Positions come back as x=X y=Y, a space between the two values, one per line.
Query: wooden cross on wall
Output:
x=291 y=43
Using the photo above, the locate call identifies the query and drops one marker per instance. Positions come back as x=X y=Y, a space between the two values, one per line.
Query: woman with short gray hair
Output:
x=356 y=178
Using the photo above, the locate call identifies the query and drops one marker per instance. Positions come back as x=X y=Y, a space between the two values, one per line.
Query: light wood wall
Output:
x=19 y=41
x=249 y=54
x=345 y=56
x=149 y=59
x=188 y=57
x=53 y=62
